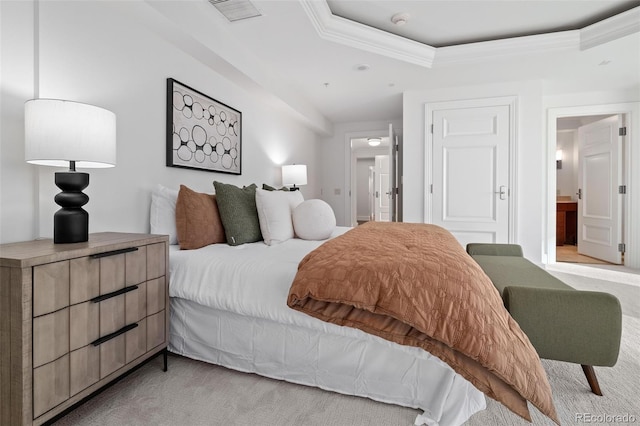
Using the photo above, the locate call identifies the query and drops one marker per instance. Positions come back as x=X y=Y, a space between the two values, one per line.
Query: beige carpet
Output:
x=196 y=393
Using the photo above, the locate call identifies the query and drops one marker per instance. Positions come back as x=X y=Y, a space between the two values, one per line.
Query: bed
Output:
x=228 y=307
x=264 y=282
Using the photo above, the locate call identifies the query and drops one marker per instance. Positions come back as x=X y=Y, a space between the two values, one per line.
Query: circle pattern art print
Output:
x=205 y=134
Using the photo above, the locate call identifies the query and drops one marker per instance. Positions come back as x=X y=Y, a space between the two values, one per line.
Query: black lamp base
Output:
x=71 y=222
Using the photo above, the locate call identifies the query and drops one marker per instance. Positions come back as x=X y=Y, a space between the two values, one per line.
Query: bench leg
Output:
x=591 y=378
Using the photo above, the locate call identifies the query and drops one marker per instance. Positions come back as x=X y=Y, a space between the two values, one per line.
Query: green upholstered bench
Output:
x=562 y=323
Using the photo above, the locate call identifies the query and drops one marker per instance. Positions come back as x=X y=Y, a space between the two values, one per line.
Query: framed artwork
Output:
x=202 y=133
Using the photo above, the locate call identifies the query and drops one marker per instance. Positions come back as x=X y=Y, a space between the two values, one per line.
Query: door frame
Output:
x=349 y=167
x=512 y=103
x=630 y=112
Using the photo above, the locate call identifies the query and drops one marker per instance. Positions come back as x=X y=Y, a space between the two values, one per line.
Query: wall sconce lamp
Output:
x=559 y=159
x=294 y=174
x=64 y=133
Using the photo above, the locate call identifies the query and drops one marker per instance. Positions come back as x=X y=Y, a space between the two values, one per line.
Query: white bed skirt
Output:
x=365 y=366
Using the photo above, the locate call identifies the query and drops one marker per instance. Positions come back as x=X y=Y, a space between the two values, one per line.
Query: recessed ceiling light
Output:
x=362 y=67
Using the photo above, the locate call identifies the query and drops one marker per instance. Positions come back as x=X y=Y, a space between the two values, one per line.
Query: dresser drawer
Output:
x=84 y=366
x=85 y=279
x=50 y=337
x=112 y=315
x=156 y=260
x=112 y=355
x=156 y=295
x=136 y=266
x=50 y=385
x=84 y=324
x=112 y=273
x=136 y=341
x=136 y=304
x=155 y=329
x=50 y=287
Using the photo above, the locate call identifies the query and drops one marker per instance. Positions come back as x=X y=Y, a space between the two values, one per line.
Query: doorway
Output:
x=629 y=114
x=370 y=169
x=577 y=164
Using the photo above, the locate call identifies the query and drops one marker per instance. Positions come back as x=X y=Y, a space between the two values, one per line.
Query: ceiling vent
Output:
x=236 y=10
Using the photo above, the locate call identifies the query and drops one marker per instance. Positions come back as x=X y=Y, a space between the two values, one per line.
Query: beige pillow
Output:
x=274 y=213
x=198 y=221
x=313 y=220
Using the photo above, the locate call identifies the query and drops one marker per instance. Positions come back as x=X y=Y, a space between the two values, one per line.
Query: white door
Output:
x=382 y=190
x=599 y=204
x=470 y=177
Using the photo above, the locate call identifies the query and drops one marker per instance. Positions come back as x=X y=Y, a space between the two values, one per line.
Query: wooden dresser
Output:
x=74 y=317
x=566 y=222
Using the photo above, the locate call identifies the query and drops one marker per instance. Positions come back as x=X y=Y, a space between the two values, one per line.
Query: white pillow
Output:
x=274 y=213
x=162 y=215
x=314 y=220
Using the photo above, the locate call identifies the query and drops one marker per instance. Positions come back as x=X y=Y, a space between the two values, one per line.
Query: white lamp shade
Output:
x=559 y=155
x=294 y=174
x=58 y=131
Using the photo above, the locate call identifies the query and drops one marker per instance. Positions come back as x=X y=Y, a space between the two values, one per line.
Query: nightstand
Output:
x=74 y=317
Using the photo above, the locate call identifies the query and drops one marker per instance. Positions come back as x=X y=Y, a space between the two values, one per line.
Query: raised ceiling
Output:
x=441 y=23
x=303 y=56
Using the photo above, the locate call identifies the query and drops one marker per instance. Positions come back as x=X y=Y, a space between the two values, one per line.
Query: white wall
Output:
x=18 y=181
x=335 y=159
x=94 y=52
x=530 y=148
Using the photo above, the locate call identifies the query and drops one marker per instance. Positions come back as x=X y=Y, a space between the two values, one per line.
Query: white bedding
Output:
x=228 y=307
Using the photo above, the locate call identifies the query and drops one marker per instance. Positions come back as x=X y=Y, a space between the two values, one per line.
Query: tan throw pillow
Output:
x=198 y=221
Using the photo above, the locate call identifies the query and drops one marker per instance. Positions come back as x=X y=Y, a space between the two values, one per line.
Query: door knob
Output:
x=502 y=192
x=579 y=194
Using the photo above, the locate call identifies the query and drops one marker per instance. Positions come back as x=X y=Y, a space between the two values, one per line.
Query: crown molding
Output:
x=336 y=29
x=497 y=49
x=353 y=34
x=610 y=29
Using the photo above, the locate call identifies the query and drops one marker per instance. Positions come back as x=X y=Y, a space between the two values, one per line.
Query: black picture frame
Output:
x=202 y=133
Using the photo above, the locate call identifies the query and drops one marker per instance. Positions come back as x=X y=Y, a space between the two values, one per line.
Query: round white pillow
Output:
x=313 y=220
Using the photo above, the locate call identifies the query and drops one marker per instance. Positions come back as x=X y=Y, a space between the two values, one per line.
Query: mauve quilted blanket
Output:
x=414 y=284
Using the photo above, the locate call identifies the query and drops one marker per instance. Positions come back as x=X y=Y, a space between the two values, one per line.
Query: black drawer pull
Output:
x=108 y=337
x=113 y=252
x=114 y=293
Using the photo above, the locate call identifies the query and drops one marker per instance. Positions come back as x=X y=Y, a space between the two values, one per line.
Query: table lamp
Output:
x=294 y=174
x=64 y=133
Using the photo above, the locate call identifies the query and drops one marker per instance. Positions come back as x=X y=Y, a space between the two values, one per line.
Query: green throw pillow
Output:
x=271 y=188
x=238 y=213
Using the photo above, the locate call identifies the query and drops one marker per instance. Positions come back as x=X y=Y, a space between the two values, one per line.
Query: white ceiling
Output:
x=283 y=55
x=445 y=23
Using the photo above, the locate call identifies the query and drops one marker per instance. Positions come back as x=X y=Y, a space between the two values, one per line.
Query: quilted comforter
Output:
x=414 y=284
